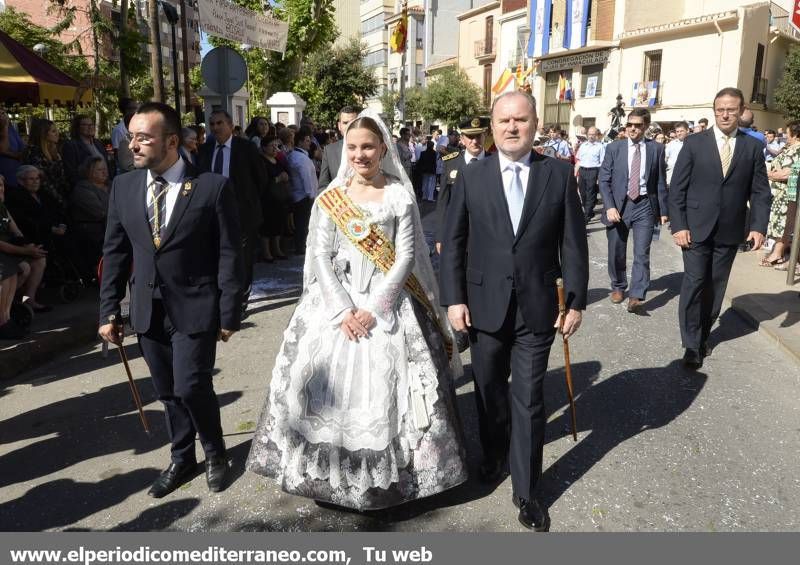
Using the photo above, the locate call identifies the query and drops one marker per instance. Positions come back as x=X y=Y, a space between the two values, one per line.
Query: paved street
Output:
x=659 y=449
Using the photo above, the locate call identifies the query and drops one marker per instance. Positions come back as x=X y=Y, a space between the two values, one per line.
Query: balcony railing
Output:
x=760 y=91
x=485 y=48
x=779 y=19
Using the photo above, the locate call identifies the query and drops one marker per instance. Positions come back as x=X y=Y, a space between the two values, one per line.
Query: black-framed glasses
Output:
x=637 y=125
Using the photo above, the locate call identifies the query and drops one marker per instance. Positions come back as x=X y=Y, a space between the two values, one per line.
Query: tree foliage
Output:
x=450 y=96
x=389 y=104
x=333 y=79
x=787 y=93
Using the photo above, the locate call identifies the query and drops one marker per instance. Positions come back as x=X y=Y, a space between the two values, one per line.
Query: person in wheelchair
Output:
x=22 y=265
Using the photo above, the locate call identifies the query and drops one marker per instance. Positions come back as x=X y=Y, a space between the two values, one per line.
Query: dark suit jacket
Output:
x=453 y=168
x=35 y=219
x=74 y=152
x=700 y=199
x=482 y=259
x=248 y=175
x=197 y=268
x=331 y=160
x=613 y=178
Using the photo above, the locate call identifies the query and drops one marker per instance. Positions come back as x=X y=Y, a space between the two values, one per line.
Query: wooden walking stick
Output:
x=562 y=311
x=134 y=391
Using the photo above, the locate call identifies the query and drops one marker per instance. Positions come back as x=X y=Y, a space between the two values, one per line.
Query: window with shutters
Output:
x=652 y=66
x=592 y=71
x=487 y=85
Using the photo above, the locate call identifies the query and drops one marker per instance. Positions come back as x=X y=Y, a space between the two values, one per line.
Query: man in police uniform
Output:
x=473 y=135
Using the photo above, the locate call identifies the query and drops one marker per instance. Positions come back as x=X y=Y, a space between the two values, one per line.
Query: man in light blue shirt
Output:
x=303 y=178
x=674 y=148
x=589 y=159
x=559 y=145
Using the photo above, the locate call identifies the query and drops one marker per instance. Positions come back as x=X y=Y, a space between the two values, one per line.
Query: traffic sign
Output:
x=224 y=71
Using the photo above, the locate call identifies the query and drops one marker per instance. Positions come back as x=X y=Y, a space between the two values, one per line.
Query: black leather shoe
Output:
x=491 y=470
x=216 y=473
x=532 y=515
x=170 y=479
x=692 y=359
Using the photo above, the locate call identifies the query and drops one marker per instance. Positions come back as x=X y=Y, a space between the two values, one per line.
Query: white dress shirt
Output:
x=174 y=178
x=720 y=137
x=507 y=171
x=672 y=150
x=226 y=157
x=469 y=158
x=642 y=166
x=590 y=154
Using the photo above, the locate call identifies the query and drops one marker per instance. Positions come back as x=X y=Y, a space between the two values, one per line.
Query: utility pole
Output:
x=155 y=50
x=185 y=47
x=172 y=17
x=125 y=87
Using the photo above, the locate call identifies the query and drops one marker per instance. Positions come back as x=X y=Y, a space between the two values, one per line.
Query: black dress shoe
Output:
x=692 y=359
x=173 y=477
x=491 y=470
x=216 y=473
x=532 y=515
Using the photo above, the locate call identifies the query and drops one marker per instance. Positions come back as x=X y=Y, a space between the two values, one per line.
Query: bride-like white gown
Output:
x=367 y=424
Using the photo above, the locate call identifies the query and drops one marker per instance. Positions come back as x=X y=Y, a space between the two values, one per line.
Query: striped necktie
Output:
x=157 y=208
x=725 y=155
x=635 y=173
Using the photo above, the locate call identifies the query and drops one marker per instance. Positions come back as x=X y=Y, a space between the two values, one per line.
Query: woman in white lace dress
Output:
x=361 y=409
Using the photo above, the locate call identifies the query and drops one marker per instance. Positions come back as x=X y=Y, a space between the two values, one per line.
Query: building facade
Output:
x=671 y=57
x=347 y=15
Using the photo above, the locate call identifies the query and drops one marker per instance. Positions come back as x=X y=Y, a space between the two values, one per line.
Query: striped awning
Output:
x=26 y=78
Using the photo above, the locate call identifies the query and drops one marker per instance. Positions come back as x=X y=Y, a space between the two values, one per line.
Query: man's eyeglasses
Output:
x=637 y=125
x=143 y=138
x=723 y=111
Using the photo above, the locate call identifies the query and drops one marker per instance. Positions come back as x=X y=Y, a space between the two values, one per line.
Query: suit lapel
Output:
x=141 y=221
x=499 y=198
x=713 y=151
x=181 y=204
x=537 y=182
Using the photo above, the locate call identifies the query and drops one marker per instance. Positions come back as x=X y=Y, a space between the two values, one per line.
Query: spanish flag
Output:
x=397 y=42
x=562 y=89
x=505 y=81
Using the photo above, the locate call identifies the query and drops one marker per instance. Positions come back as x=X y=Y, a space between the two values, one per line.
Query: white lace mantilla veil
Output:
x=423 y=269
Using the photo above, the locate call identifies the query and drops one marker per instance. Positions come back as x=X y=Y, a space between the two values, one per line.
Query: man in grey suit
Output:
x=633 y=185
x=332 y=154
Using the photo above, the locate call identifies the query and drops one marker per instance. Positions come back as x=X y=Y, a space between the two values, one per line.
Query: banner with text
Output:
x=230 y=21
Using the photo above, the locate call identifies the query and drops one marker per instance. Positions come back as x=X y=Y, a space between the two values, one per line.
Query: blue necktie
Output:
x=219 y=159
x=515 y=197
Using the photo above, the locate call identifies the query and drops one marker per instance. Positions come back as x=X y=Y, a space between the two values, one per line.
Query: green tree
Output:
x=449 y=97
x=389 y=103
x=787 y=93
x=413 y=103
x=333 y=79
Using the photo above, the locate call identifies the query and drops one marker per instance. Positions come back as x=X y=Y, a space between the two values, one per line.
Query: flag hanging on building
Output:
x=561 y=92
x=504 y=84
x=539 y=39
x=521 y=75
x=576 y=24
x=569 y=94
x=397 y=42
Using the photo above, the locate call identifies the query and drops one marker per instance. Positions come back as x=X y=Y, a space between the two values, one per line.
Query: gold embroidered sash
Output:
x=378 y=248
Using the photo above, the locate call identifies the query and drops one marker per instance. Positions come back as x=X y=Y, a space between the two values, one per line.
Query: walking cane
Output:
x=134 y=391
x=562 y=311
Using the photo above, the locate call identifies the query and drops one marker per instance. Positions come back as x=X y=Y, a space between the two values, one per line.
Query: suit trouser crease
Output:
x=515 y=426
x=636 y=217
x=301 y=210
x=587 y=184
x=181 y=366
x=707 y=267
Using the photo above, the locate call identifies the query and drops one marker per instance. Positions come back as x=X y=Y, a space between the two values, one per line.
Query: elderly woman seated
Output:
x=21 y=266
x=88 y=209
x=37 y=214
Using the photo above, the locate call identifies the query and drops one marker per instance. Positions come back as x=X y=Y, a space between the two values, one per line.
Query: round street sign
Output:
x=224 y=70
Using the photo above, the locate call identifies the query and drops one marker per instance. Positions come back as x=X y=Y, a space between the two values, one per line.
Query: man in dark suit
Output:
x=717 y=173
x=174 y=237
x=332 y=154
x=634 y=188
x=514 y=226
x=473 y=135
x=239 y=160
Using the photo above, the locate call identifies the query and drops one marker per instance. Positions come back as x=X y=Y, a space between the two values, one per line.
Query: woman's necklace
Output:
x=365 y=181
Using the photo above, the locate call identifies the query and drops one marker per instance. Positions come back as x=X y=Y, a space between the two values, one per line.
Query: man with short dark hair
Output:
x=332 y=153
x=181 y=231
x=703 y=123
x=303 y=178
x=634 y=189
x=237 y=159
x=674 y=147
x=717 y=174
x=119 y=135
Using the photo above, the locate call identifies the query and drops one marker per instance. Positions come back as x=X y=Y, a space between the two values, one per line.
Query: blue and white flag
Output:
x=577 y=19
x=539 y=40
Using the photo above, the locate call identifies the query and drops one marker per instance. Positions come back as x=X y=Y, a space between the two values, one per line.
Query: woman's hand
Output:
x=35 y=251
x=352 y=327
x=779 y=175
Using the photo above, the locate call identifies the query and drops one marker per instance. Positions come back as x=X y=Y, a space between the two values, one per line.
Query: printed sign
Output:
x=230 y=21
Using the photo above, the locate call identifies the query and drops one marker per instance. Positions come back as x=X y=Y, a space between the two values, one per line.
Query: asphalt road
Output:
x=659 y=449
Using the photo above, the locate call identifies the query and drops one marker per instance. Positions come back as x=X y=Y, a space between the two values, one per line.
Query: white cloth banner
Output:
x=539 y=41
x=230 y=21
x=576 y=24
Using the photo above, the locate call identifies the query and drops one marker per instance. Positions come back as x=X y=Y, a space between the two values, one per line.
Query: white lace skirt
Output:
x=339 y=425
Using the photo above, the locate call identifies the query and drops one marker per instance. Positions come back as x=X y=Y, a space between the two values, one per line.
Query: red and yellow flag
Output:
x=397 y=42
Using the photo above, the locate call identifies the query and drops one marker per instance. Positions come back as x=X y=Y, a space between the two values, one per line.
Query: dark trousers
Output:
x=706 y=268
x=637 y=216
x=587 y=185
x=515 y=427
x=301 y=211
x=249 y=242
x=181 y=367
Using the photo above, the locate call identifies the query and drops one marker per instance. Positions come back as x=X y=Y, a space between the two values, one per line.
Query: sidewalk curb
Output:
x=750 y=312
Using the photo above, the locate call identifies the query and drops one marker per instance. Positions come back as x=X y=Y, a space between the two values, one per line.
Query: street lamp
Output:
x=172 y=17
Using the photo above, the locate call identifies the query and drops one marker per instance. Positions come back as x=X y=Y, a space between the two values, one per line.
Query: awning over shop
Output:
x=26 y=78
